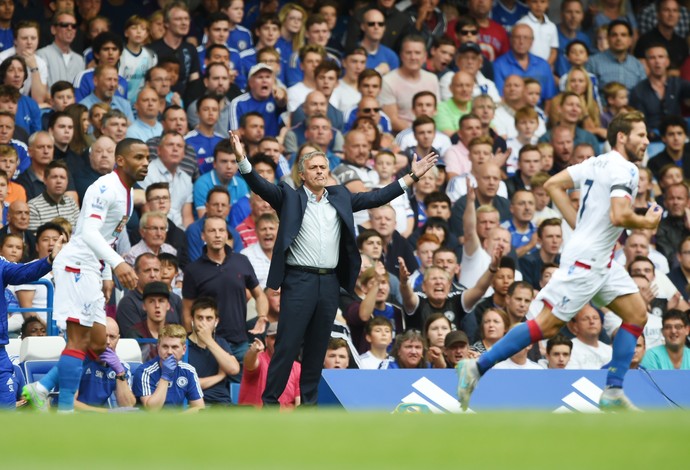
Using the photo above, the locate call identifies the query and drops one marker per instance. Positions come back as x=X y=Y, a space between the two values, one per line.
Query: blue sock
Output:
x=50 y=380
x=517 y=339
x=623 y=351
x=69 y=375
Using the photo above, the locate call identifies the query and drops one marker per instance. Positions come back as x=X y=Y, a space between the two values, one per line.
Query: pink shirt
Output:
x=254 y=383
x=457 y=159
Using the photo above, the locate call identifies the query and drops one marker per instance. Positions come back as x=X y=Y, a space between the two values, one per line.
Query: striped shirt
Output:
x=44 y=209
x=184 y=385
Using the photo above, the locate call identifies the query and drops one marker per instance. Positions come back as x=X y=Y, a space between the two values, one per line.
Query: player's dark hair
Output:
x=29 y=321
x=623 y=122
x=124 y=146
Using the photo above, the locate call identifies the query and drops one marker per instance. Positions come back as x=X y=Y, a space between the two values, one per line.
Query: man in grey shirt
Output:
x=63 y=62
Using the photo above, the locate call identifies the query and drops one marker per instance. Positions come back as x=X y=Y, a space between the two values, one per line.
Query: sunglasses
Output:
x=371 y=110
x=468 y=32
x=67 y=25
x=380 y=24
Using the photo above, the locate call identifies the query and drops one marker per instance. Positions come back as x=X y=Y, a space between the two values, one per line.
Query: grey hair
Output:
x=152 y=215
x=309 y=156
x=35 y=135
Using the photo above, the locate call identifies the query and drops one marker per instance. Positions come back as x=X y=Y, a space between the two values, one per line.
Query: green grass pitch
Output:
x=330 y=439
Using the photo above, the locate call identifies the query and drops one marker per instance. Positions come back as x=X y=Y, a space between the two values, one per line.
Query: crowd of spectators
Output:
x=506 y=93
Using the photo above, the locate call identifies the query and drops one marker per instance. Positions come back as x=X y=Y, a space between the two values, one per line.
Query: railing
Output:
x=51 y=327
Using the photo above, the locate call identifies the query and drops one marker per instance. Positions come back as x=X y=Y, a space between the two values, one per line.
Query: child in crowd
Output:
x=379 y=335
x=9 y=160
x=136 y=59
x=426 y=245
x=12 y=249
x=546 y=151
x=170 y=268
x=4 y=187
x=545 y=44
x=385 y=166
x=532 y=97
x=526 y=123
x=616 y=99
x=577 y=54
x=240 y=37
x=542 y=209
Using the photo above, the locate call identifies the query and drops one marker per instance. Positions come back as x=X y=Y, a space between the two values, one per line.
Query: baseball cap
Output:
x=258 y=68
x=469 y=46
x=157 y=288
x=455 y=337
x=272 y=329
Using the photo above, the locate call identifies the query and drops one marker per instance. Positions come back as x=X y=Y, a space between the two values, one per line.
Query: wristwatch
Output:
x=34 y=69
x=414 y=177
x=122 y=377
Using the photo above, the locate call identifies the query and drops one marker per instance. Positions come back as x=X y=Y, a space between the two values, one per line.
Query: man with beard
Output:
x=608 y=185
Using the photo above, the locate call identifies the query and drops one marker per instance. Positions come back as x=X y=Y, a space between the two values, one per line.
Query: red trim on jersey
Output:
x=95 y=216
x=547 y=303
x=129 y=194
x=74 y=353
x=634 y=330
x=70 y=269
x=73 y=320
x=582 y=265
x=535 y=333
x=92 y=354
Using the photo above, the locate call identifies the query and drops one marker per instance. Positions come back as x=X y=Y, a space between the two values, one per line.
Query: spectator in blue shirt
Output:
x=105 y=80
x=519 y=61
x=166 y=380
x=379 y=57
x=223 y=174
x=569 y=30
x=260 y=98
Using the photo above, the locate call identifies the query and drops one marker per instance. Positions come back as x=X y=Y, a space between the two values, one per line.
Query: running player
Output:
x=607 y=184
x=79 y=300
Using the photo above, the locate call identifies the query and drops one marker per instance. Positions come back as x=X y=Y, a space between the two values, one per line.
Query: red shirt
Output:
x=247 y=231
x=493 y=39
x=254 y=383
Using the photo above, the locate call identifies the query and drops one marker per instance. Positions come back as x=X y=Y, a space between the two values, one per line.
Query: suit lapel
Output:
x=302 y=199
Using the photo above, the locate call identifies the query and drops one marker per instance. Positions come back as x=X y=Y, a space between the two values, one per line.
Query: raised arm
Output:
x=267 y=190
x=474 y=294
x=469 y=222
x=410 y=299
x=369 y=200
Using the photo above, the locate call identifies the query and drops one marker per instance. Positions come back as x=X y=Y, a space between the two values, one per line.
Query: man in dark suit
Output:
x=314 y=254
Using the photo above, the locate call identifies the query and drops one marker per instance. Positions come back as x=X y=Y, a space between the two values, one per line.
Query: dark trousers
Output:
x=308 y=304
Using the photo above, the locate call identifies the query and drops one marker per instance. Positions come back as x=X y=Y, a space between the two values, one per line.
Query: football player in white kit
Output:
x=79 y=306
x=607 y=184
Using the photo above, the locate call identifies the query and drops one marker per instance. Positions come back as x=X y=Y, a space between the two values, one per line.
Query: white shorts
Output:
x=572 y=287
x=78 y=298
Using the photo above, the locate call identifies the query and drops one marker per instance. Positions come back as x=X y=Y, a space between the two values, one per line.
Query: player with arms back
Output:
x=608 y=185
x=77 y=270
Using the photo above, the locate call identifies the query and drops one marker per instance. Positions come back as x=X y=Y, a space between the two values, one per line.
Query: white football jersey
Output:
x=105 y=210
x=599 y=179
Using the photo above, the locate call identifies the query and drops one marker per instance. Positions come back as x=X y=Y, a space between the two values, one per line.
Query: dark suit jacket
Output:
x=290 y=205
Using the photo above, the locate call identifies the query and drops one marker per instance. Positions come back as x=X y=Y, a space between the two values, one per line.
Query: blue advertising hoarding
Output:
x=554 y=390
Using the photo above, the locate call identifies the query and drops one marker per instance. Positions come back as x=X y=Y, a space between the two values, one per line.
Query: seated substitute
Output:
x=166 y=380
x=105 y=377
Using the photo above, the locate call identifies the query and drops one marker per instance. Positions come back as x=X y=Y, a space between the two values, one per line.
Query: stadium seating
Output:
x=41 y=348
x=13 y=347
x=128 y=350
